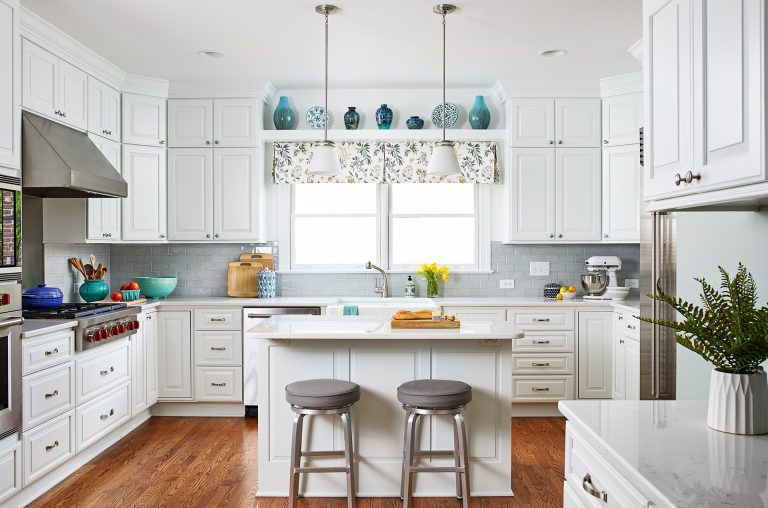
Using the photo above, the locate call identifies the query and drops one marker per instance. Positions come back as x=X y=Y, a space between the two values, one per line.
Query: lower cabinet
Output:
x=595 y=354
x=48 y=445
x=219 y=383
x=218 y=355
x=10 y=466
x=144 y=365
x=626 y=357
x=102 y=415
x=174 y=354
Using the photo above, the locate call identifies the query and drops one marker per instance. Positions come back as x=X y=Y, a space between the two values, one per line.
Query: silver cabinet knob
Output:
x=551 y=141
x=691 y=176
x=560 y=142
x=207 y=142
x=605 y=141
x=678 y=180
x=162 y=141
x=216 y=235
x=208 y=235
x=551 y=235
x=162 y=236
x=560 y=235
x=216 y=142
x=605 y=235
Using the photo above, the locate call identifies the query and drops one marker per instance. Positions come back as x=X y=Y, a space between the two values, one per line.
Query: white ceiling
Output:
x=386 y=43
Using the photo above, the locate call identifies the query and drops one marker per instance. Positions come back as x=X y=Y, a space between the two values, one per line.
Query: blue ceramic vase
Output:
x=351 y=119
x=267 y=283
x=414 y=122
x=384 y=117
x=283 y=116
x=93 y=290
x=479 y=115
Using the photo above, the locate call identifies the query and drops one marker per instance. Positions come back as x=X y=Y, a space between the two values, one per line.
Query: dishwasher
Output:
x=252 y=316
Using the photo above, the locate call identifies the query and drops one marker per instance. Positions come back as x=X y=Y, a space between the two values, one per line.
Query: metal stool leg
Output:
x=457 y=457
x=462 y=433
x=346 y=420
x=410 y=438
x=298 y=421
x=405 y=447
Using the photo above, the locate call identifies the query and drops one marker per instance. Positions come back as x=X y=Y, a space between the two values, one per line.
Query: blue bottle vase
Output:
x=384 y=117
x=283 y=116
x=479 y=115
x=351 y=119
x=414 y=122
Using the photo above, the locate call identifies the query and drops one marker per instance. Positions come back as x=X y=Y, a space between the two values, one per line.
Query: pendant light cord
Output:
x=325 y=122
x=444 y=108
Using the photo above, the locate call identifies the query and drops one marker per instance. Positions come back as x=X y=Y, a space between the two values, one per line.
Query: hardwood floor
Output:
x=202 y=462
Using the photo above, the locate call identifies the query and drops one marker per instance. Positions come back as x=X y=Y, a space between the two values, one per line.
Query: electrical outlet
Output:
x=632 y=283
x=507 y=284
x=539 y=268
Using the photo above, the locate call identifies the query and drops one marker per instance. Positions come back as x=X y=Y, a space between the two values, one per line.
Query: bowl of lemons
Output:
x=567 y=293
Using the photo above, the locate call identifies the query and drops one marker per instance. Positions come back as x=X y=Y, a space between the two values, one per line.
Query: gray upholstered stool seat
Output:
x=322 y=393
x=434 y=393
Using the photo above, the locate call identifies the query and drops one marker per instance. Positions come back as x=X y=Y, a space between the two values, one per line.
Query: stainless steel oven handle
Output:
x=17 y=321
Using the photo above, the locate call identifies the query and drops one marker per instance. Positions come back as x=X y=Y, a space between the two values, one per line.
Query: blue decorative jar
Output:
x=479 y=115
x=351 y=119
x=41 y=297
x=283 y=116
x=267 y=283
x=93 y=290
x=384 y=117
x=414 y=122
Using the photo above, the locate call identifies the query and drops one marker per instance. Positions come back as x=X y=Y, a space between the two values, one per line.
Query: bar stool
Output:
x=435 y=397
x=322 y=397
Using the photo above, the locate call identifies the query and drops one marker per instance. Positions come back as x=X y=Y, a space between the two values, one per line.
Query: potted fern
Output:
x=729 y=331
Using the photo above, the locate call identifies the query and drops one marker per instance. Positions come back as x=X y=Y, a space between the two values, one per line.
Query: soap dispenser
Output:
x=409 y=289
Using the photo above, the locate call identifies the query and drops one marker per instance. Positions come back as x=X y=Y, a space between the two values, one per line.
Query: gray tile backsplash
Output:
x=58 y=271
x=202 y=269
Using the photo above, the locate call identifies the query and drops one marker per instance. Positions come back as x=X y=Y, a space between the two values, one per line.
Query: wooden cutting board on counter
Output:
x=424 y=324
x=243 y=279
x=265 y=260
x=131 y=303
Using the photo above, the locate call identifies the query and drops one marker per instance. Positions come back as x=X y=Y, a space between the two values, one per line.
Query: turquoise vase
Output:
x=384 y=117
x=479 y=115
x=94 y=290
x=351 y=119
x=283 y=116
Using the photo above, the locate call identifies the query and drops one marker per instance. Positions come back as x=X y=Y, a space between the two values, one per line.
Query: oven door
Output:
x=10 y=373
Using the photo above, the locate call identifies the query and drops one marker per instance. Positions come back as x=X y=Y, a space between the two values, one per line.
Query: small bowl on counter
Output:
x=569 y=295
x=617 y=293
x=156 y=287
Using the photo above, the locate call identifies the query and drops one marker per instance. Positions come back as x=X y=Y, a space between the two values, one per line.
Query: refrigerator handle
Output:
x=657 y=252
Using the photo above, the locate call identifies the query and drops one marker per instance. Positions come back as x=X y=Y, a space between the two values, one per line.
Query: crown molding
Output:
x=547 y=88
x=623 y=84
x=145 y=85
x=181 y=89
x=636 y=50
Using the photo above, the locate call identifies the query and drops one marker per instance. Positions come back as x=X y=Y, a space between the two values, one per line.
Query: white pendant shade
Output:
x=444 y=161
x=325 y=160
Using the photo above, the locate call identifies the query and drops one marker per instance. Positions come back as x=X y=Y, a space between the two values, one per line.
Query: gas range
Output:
x=97 y=323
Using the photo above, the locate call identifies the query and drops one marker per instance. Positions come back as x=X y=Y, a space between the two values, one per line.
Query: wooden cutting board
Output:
x=424 y=324
x=265 y=260
x=243 y=279
x=138 y=301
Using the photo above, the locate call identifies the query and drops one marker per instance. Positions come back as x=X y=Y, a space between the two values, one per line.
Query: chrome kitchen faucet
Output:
x=383 y=290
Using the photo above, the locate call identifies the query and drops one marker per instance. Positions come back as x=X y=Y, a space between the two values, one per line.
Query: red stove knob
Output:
x=114 y=330
x=120 y=328
x=91 y=337
x=5 y=299
x=135 y=325
x=103 y=334
x=129 y=325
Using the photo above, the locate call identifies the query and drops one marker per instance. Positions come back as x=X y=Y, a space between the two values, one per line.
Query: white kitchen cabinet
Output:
x=622 y=195
x=150 y=338
x=622 y=119
x=103 y=110
x=220 y=123
x=190 y=194
x=577 y=194
x=174 y=355
x=190 y=123
x=531 y=122
x=144 y=210
x=619 y=352
x=10 y=466
x=236 y=122
x=495 y=314
x=235 y=194
x=47 y=446
x=10 y=94
x=532 y=194
x=577 y=123
x=143 y=365
x=144 y=120
x=632 y=369
x=72 y=95
x=595 y=354
x=104 y=213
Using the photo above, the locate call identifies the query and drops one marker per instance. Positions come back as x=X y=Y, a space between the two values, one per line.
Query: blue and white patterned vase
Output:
x=267 y=283
x=351 y=119
x=283 y=116
x=479 y=115
x=384 y=117
x=414 y=122
x=409 y=289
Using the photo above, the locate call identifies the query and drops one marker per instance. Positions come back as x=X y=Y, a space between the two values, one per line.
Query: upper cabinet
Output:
x=103 y=110
x=104 y=213
x=144 y=210
x=622 y=119
x=532 y=194
x=219 y=123
x=622 y=198
x=143 y=120
x=10 y=77
x=554 y=122
x=53 y=88
x=577 y=194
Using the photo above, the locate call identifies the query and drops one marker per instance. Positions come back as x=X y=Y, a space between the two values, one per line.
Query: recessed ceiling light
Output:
x=553 y=52
x=209 y=53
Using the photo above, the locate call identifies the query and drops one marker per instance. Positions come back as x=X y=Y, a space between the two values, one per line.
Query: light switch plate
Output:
x=632 y=283
x=539 y=268
x=507 y=284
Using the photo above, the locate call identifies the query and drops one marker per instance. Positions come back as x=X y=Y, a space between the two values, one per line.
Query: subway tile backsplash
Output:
x=202 y=269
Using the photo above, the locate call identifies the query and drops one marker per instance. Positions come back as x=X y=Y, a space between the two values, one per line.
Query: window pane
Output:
x=343 y=198
x=413 y=198
x=449 y=241
x=334 y=240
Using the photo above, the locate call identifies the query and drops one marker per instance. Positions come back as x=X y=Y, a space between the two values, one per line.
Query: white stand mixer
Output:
x=609 y=265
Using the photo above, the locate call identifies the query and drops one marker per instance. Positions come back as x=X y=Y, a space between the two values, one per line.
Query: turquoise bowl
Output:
x=156 y=287
x=93 y=290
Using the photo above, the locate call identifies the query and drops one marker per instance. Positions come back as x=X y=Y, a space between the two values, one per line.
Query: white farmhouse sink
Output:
x=380 y=307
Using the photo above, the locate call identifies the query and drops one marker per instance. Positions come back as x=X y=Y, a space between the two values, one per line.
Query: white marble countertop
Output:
x=666 y=448
x=36 y=327
x=364 y=328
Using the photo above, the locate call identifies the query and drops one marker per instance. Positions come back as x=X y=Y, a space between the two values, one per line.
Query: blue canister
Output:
x=267 y=283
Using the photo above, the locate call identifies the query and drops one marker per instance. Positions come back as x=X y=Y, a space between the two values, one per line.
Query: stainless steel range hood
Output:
x=60 y=162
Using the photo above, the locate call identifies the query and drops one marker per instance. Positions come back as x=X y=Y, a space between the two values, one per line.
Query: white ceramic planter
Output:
x=738 y=403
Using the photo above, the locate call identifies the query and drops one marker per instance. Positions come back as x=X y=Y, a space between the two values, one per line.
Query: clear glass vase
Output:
x=432 y=288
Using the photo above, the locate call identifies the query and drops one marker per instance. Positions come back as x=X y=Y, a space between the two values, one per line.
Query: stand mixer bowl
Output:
x=594 y=283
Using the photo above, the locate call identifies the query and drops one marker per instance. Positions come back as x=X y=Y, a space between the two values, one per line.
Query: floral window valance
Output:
x=385 y=161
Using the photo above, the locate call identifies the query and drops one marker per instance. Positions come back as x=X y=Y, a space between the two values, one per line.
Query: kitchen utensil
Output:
x=41 y=297
x=156 y=287
x=594 y=283
x=78 y=266
x=265 y=260
x=617 y=292
x=243 y=279
x=411 y=324
x=89 y=271
x=93 y=260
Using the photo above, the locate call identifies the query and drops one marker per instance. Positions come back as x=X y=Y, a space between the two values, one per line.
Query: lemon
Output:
x=563 y=289
x=560 y=296
x=572 y=289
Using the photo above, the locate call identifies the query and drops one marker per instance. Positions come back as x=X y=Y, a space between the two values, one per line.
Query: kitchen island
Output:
x=368 y=352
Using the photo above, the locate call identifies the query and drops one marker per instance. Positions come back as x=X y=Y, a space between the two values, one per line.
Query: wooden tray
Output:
x=424 y=324
x=138 y=301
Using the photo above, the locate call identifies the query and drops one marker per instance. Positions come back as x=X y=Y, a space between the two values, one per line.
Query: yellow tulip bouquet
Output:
x=432 y=273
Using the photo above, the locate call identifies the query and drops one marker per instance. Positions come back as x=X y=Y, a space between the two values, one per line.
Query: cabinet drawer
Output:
x=544 y=342
x=570 y=497
x=10 y=466
x=219 y=348
x=541 y=388
x=102 y=415
x=583 y=463
x=96 y=375
x=47 y=394
x=543 y=364
x=626 y=324
x=219 y=383
x=47 y=446
x=42 y=352
x=542 y=319
x=219 y=319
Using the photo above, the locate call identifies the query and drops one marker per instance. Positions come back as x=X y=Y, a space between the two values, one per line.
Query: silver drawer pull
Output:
x=218 y=348
x=54 y=352
x=105 y=372
x=534 y=364
x=540 y=342
x=51 y=446
x=621 y=317
x=540 y=320
x=217 y=319
x=592 y=491
x=632 y=327
x=104 y=417
x=218 y=384
x=49 y=395
x=534 y=389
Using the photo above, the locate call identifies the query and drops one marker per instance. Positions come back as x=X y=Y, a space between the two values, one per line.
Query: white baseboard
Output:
x=542 y=409
x=211 y=409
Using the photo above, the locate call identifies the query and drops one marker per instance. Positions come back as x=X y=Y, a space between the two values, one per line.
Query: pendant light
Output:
x=325 y=160
x=444 y=161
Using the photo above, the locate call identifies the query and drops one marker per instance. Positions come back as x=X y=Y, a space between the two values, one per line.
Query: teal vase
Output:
x=479 y=115
x=283 y=116
x=94 y=290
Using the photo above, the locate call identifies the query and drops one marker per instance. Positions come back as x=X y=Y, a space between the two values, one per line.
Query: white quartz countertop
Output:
x=35 y=327
x=666 y=447
x=364 y=328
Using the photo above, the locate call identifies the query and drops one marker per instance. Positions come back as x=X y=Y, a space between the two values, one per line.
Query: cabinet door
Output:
x=235 y=197
x=622 y=198
x=236 y=122
x=10 y=79
x=143 y=120
x=532 y=122
x=174 y=340
x=10 y=465
x=622 y=119
x=577 y=122
x=144 y=215
x=667 y=69
x=38 y=79
x=619 y=365
x=150 y=338
x=72 y=95
x=577 y=196
x=728 y=52
x=139 y=369
x=104 y=213
x=632 y=366
x=190 y=194
x=595 y=355
x=103 y=110
x=532 y=194
x=190 y=123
